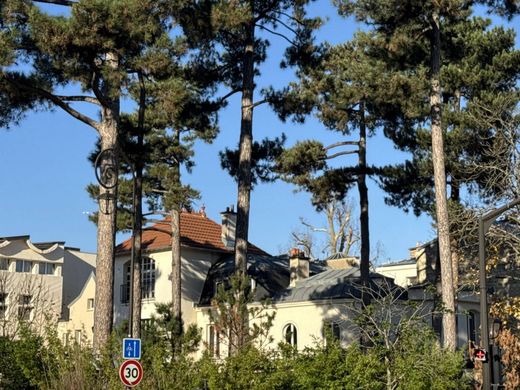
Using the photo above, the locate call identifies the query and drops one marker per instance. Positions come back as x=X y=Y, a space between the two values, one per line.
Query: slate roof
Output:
x=271 y=273
x=333 y=284
x=197 y=231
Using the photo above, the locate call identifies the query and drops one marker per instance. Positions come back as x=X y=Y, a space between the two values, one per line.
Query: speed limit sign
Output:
x=131 y=372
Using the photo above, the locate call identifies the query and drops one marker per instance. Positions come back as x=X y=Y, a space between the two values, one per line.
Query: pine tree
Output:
x=231 y=29
x=418 y=38
x=344 y=90
x=93 y=46
x=173 y=111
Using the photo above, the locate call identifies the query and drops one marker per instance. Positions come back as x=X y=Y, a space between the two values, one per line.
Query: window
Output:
x=46 y=268
x=290 y=335
x=77 y=336
x=4 y=264
x=3 y=305
x=24 y=307
x=147 y=280
x=90 y=304
x=331 y=329
x=23 y=266
x=213 y=341
x=66 y=339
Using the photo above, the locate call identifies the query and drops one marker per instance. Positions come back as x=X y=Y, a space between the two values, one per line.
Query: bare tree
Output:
x=341 y=233
x=25 y=299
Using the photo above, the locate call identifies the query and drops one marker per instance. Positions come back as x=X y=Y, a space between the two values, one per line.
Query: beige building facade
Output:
x=38 y=281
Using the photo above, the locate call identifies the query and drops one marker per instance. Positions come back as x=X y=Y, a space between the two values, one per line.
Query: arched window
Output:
x=147 y=280
x=290 y=335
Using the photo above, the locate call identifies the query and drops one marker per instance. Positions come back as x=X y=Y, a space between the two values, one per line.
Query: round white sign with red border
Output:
x=131 y=373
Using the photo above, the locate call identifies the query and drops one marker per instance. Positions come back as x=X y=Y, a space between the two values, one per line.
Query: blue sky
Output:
x=44 y=172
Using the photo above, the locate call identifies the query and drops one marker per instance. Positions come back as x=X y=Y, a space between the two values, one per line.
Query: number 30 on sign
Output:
x=131 y=373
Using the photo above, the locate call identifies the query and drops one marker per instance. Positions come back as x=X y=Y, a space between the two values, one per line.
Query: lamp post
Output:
x=484 y=223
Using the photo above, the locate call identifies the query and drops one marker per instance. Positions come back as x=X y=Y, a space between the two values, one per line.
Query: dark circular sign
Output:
x=106 y=168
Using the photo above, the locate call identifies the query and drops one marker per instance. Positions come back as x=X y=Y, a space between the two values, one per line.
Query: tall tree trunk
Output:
x=176 y=263
x=245 y=151
x=244 y=172
x=138 y=215
x=364 y=265
x=455 y=256
x=103 y=312
x=176 y=249
x=443 y=232
x=137 y=252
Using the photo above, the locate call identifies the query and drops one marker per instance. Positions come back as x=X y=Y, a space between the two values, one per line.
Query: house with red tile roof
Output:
x=203 y=243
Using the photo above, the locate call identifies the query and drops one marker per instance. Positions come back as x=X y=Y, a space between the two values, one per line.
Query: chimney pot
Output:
x=228 y=229
x=298 y=266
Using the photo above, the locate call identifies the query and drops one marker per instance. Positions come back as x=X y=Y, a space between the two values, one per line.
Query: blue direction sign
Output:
x=131 y=348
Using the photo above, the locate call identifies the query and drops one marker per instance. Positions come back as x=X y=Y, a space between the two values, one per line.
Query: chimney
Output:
x=298 y=266
x=229 y=223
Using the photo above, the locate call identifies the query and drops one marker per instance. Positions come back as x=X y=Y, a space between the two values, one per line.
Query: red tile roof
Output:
x=197 y=231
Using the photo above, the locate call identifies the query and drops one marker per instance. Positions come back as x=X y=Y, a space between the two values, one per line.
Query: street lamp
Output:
x=484 y=223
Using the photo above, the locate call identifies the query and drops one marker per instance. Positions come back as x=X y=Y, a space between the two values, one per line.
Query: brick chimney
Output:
x=298 y=266
x=229 y=223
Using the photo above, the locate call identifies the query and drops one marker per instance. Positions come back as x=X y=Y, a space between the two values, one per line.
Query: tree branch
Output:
x=342 y=143
x=341 y=154
x=283 y=24
x=86 y=99
x=58 y=102
x=290 y=17
x=228 y=95
x=275 y=33
x=66 y=3
x=257 y=103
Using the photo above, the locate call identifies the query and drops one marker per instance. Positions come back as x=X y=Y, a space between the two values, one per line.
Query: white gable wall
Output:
x=195 y=265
